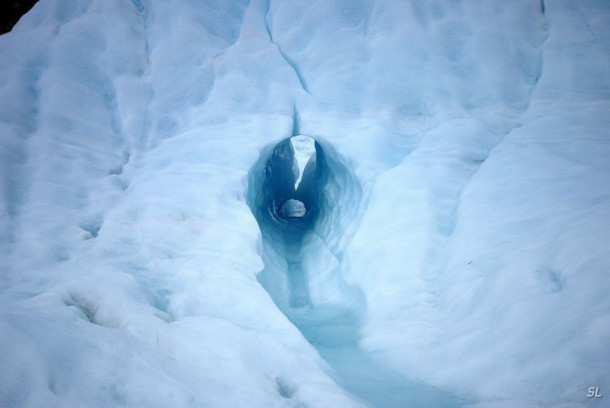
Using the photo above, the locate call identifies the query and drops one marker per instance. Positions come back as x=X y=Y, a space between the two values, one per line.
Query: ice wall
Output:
x=469 y=232
x=129 y=254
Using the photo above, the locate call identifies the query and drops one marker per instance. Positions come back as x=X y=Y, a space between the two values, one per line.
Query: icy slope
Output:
x=459 y=250
x=129 y=258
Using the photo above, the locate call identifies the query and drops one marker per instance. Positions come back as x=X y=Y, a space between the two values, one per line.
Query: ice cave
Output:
x=322 y=203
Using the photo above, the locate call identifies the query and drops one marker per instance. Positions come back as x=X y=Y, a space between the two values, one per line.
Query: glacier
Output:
x=447 y=245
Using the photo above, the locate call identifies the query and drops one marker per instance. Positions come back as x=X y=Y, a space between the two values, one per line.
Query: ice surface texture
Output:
x=467 y=215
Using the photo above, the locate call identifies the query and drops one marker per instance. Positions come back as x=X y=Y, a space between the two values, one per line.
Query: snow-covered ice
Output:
x=453 y=250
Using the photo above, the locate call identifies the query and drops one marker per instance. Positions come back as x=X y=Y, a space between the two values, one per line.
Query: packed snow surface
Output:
x=454 y=251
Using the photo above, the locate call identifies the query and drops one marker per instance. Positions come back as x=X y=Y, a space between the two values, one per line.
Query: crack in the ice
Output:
x=295 y=68
x=296 y=121
x=145 y=133
x=138 y=5
x=291 y=63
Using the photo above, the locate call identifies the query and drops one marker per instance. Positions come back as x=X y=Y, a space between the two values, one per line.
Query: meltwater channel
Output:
x=305 y=199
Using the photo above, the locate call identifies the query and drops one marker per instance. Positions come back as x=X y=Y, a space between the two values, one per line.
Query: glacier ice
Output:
x=453 y=248
x=294 y=208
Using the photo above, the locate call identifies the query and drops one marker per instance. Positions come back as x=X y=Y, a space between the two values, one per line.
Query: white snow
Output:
x=460 y=254
x=304 y=148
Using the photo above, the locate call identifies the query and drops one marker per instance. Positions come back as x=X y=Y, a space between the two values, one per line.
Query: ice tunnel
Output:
x=304 y=198
x=290 y=192
x=306 y=201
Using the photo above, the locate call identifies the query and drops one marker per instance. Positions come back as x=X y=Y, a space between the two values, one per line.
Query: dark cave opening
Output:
x=280 y=205
x=286 y=202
